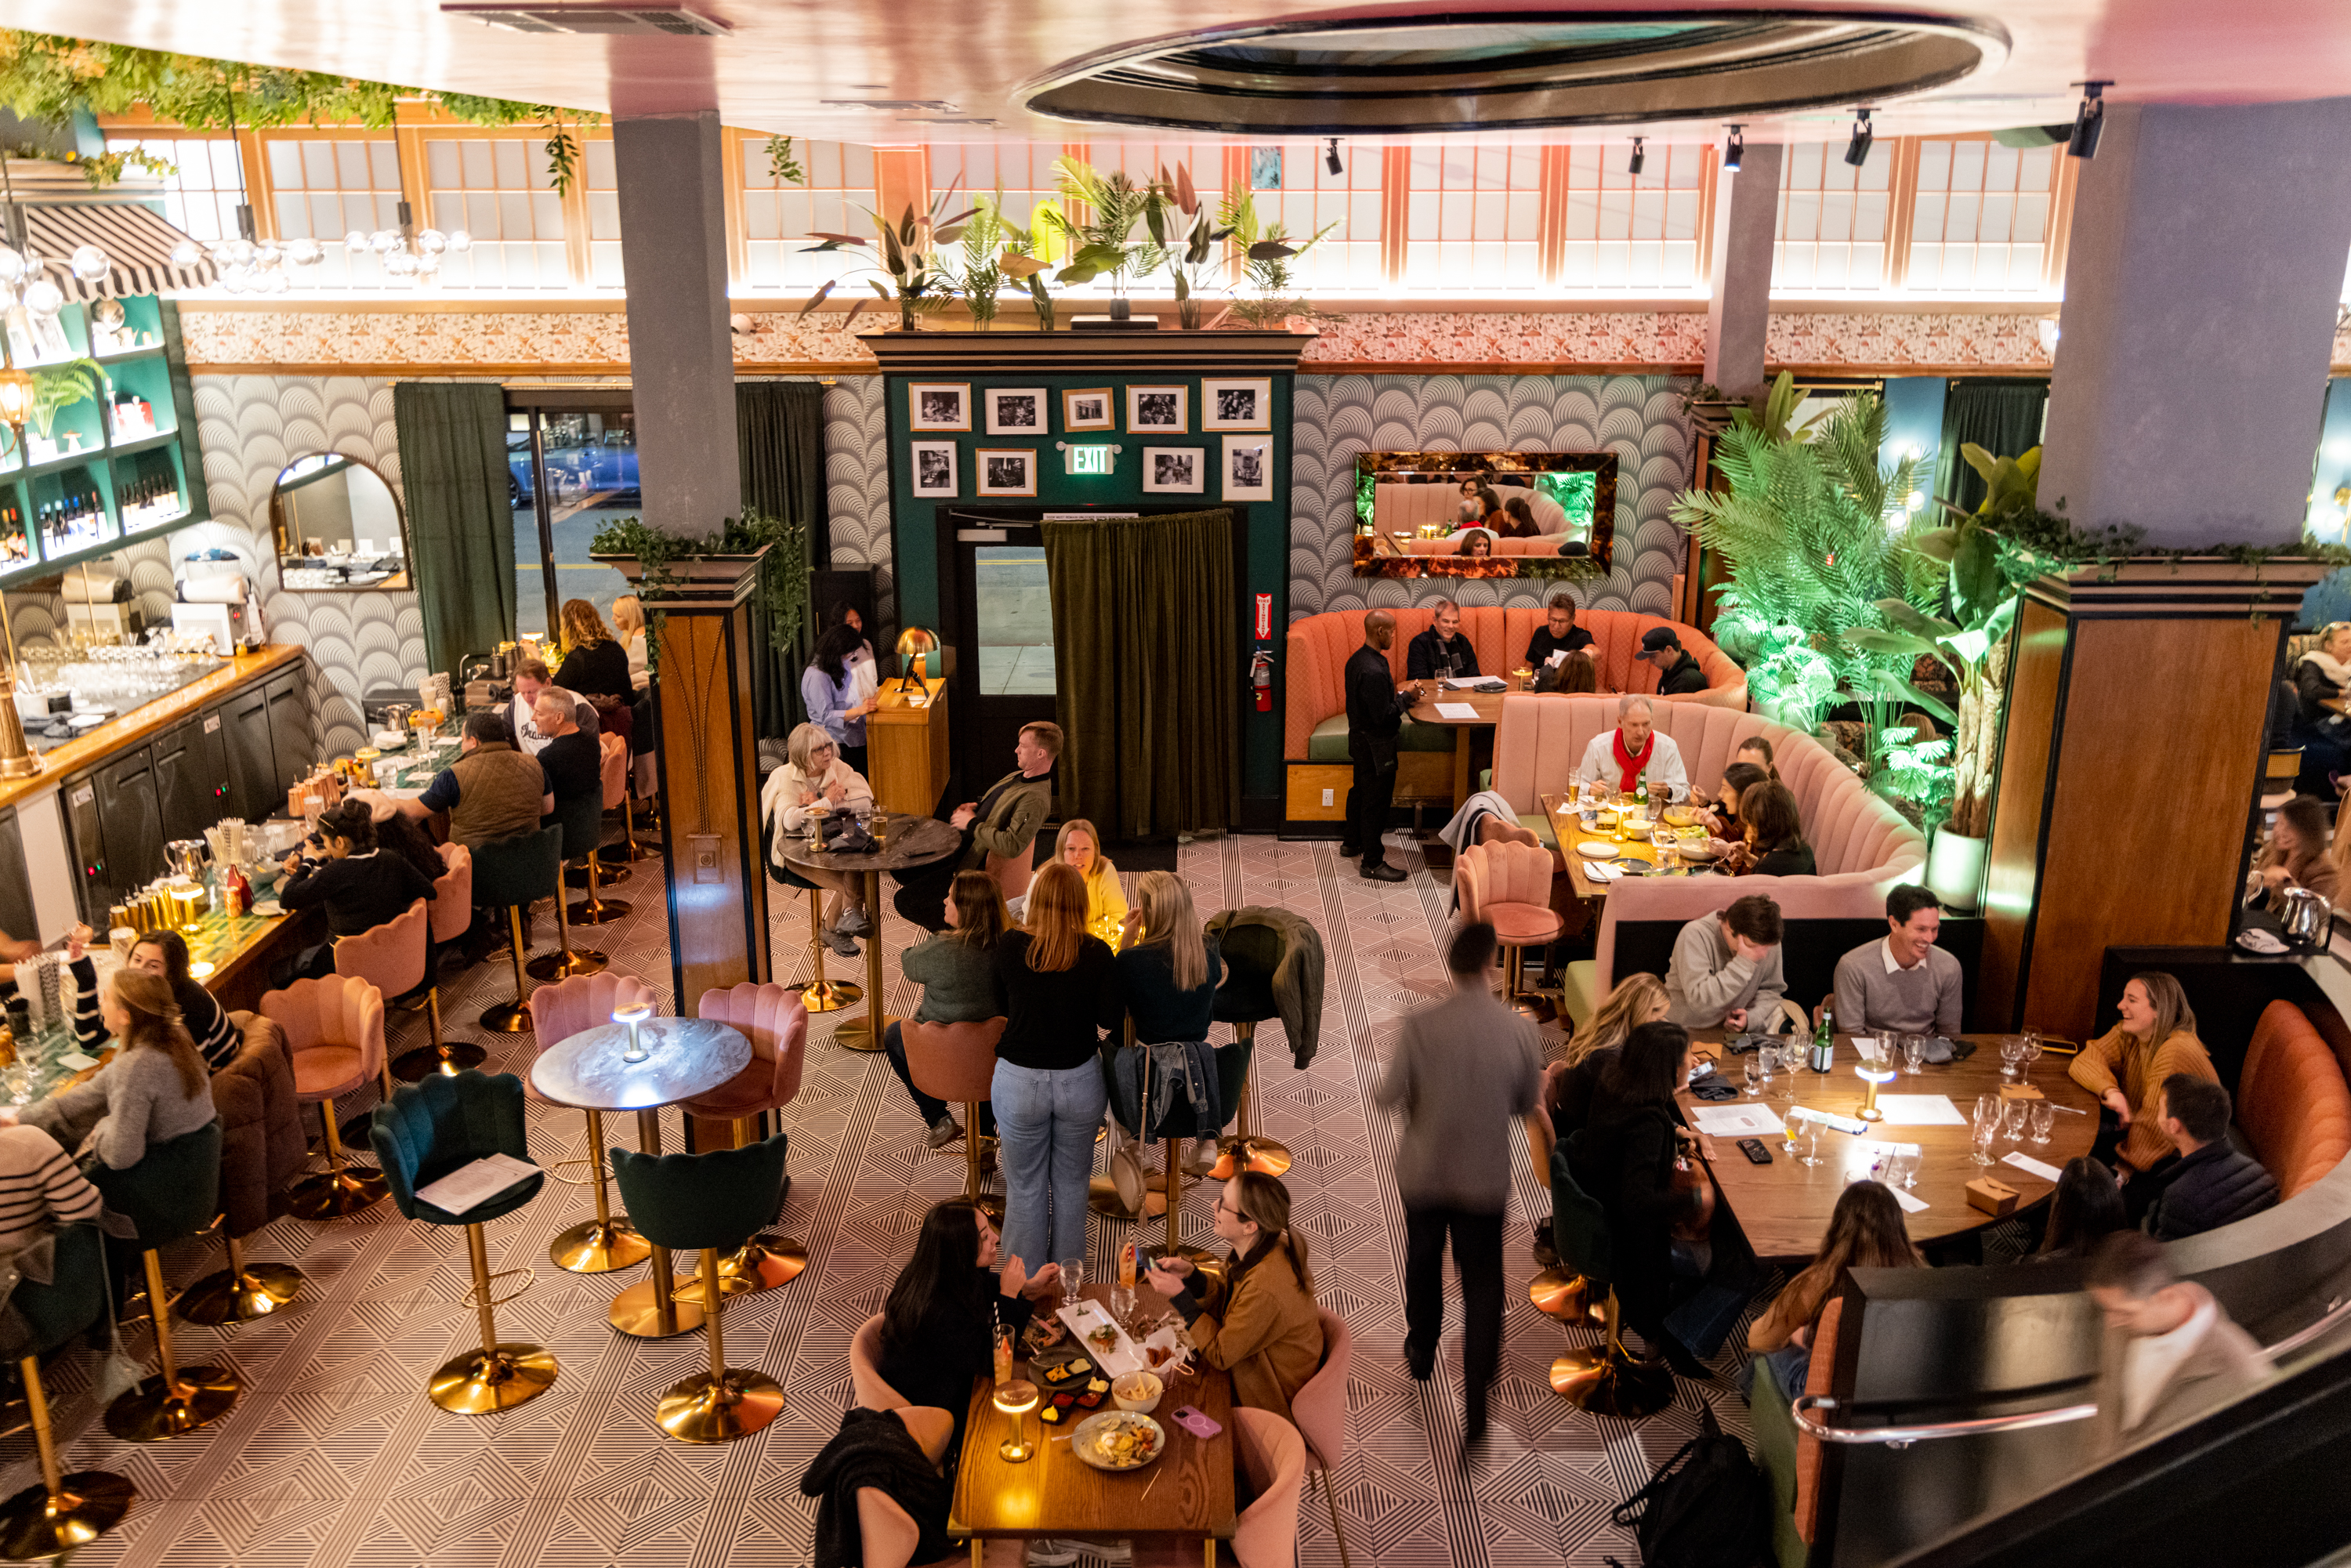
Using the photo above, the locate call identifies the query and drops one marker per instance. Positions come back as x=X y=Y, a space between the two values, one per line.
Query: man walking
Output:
x=1375 y=710
x=1463 y=1069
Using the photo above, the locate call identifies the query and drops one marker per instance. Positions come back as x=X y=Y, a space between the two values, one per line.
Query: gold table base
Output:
x=706 y=1409
x=830 y=996
x=1558 y=1293
x=34 y=1526
x=165 y=1406
x=599 y=1246
x=239 y=1295
x=449 y=1059
x=1236 y=1154
x=478 y=1383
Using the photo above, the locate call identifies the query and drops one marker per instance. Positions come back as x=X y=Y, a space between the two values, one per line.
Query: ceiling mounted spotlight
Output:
x=1639 y=157
x=1857 y=151
x=1330 y=159
x=1733 y=151
x=2089 y=121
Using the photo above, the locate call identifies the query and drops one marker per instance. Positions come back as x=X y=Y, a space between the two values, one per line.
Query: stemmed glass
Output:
x=1752 y=1071
x=2012 y=1056
x=1986 y=1127
x=1913 y=1053
x=1074 y=1278
x=2031 y=1049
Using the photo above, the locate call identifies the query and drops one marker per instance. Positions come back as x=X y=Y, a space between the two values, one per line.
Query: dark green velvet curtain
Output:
x=1144 y=634
x=2001 y=417
x=780 y=427
x=453 y=471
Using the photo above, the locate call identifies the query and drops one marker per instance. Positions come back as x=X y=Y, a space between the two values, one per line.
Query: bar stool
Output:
x=1013 y=874
x=628 y=852
x=64 y=1511
x=334 y=1036
x=392 y=958
x=172 y=1193
x=602 y=1244
x=773 y=1021
x=1251 y=955
x=450 y=916
x=516 y=873
x=704 y=1203
x=1603 y=1379
x=581 y=824
x=429 y=1129
x=1508 y=885
x=819 y=995
x=596 y=909
x=262 y=1149
x=958 y=1062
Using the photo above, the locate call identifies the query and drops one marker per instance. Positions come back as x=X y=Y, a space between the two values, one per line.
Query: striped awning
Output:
x=138 y=242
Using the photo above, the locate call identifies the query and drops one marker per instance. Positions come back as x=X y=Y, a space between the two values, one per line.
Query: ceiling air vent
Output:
x=890 y=105
x=670 y=21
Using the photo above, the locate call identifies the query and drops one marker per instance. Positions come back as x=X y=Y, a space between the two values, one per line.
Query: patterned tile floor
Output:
x=334 y=1458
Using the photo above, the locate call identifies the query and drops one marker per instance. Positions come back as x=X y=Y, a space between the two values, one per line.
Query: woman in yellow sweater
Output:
x=1079 y=848
x=2126 y=1066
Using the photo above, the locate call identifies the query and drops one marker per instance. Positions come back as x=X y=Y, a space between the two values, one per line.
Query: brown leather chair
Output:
x=1013 y=874
x=864 y=1369
x=2292 y=1104
x=958 y=1062
x=596 y=909
x=262 y=1149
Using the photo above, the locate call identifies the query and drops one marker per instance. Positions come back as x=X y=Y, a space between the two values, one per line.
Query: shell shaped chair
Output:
x=559 y=1011
x=1508 y=885
x=334 y=1036
x=450 y=916
x=775 y=1020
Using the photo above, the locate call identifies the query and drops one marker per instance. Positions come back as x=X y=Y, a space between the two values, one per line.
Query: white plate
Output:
x=268 y=908
x=1082 y=1440
x=1596 y=849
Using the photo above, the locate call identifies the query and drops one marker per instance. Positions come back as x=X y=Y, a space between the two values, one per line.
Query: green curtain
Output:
x=780 y=427
x=2002 y=417
x=1145 y=639
x=453 y=470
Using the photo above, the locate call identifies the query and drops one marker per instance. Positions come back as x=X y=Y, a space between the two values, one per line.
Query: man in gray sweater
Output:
x=1725 y=968
x=1905 y=984
x=1462 y=1071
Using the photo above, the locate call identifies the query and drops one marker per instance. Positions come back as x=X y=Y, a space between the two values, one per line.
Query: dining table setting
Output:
x=1604 y=838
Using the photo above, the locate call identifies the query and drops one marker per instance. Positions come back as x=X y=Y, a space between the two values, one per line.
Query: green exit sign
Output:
x=1090 y=459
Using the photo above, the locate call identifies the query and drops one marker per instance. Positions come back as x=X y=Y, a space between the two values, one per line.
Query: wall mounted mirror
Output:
x=339 y=527
x=1485 y=514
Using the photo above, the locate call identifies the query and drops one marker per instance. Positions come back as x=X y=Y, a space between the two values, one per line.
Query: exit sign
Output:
x=1089 y=459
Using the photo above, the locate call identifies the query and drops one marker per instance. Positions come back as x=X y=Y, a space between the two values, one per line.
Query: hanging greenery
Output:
x=782 y=167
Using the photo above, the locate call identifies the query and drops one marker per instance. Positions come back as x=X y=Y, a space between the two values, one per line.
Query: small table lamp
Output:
x=634 y=1018
x=914 y=644
x=1874 y=1067
x=1016 y=1399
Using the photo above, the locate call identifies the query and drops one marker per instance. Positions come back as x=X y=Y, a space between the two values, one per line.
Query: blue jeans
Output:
x=1046 y=1123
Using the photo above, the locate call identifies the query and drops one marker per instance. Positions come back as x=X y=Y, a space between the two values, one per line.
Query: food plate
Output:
x=268 y=908
x=1094 y=1331
x=1596 y=849
x=1697 y=851
x=1118 y=1440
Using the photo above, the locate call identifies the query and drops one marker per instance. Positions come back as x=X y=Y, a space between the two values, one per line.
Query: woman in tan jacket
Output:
x=2126 y=1066
x=2297 y=856
x=1259 y=1322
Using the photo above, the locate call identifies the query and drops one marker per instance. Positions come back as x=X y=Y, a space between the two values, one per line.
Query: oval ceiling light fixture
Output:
x=1516 y=70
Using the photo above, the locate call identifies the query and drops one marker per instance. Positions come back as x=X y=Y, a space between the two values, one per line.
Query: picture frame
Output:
x=1248 y=468
x=1089 y=408
x=1175 y=470
x=1243 y=403
x=1005 y=470
x=933 y=463
x=938 y=405
x=1019 y=411
x=1158 y=411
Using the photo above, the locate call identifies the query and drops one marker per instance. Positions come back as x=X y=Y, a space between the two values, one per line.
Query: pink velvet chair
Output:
x=864 y=1369
x=596 y=909
x=775 y=1020
x=1273 y=1456
x=956 y=1061
x=1012 y=875
x=1508 y=885
x=1320 y=1409
x=334 y=1037
x=390 y=958
x=558 y=1011
x=449 y=916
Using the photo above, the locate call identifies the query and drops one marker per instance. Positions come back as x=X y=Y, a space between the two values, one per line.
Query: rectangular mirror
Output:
x=1485 y=514
x=339 y=527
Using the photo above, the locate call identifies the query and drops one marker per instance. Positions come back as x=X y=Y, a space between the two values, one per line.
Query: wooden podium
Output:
x=906 y=742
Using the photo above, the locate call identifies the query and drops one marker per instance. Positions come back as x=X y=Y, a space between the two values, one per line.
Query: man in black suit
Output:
x=1441 y=650
x=1375 y=710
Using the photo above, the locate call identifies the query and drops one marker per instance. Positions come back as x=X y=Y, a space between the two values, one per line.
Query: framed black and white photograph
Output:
x=938 y=405
x=1173 y=471
x=1243 y=404
x=1090 y=409
x=1157 y=411
x=1007 y=470
x=1248 y=468
x=934 y=470
x=1015 y=411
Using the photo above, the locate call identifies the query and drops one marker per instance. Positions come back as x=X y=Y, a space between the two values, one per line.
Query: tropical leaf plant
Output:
x=1102 y=242
x=1194 y=259
x=910 y=253
x=982 y=274
x=1267 y=252
x=56 y=388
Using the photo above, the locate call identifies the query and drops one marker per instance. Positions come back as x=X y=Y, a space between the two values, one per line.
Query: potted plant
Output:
x=909 y=253
x=1192 y=260
x=1104 y=245
x=1265 y=255
x=56 y=388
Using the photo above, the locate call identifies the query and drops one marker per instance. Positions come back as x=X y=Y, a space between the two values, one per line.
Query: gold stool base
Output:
x=563 y=965
x=861 y=1034
x=34 y=1526
x=634 y=1313
x=1262 y=1156
x=609 y=874
x=508 y=1017
x=623 y=855
x=599 y=1246
x=332 y=1195
x=232 y=1297
x=158 y=1408
x=478 y=1384
x=602 y=911
x=1567 y=1296
x=1610 y=1383
x=454 y=1057
x=706 y=1409
x=761 y=1263
x=831 y=997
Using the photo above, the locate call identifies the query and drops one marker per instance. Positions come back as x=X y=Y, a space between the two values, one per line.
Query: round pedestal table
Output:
x=908 y=842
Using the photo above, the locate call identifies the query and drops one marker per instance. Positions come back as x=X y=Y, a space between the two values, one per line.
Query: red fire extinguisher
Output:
x=1261 y=678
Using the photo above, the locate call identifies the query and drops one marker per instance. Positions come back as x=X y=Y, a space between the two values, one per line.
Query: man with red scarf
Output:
x=1620 y=758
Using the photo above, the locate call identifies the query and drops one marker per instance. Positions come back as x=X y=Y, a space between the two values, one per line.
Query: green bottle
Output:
x=1824 y=1039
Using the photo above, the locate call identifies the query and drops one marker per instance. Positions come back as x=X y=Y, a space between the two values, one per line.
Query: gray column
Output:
x=1745 y=222
x=681 y=355
x=2201 y=282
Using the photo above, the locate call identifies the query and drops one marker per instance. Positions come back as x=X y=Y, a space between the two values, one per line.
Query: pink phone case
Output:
x=1190 y=1418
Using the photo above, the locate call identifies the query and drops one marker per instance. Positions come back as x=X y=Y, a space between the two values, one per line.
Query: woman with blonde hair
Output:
x=813 y=778
x=154 y=1089
x=629 y=626
x=1078 y=847
x=1569 y=1082
x=594 y=665
x=1061 y=990
x=1171 y=969
x=2126 y=1066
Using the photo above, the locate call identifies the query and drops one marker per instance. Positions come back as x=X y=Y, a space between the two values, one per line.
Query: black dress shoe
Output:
x=1383 y=874
x=1349 y=852
x=1420 y=1371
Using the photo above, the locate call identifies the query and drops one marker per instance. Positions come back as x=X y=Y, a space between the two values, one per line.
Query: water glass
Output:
x=2032 y=1048
x=1121 y=1306
x=2012 y=1120
x=1913 y=1053
x=1986 y=1127
x=2043 y=1120
x=1074 y=1278
x=1812 y=1154
x=1752 y=1071
x=2012 y=1055
x=1902 y=1167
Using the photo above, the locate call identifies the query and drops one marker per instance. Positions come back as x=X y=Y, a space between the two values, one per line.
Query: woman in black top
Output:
x=1722 y=820
x=358 y=885
x=596 y=668
x=1061 y=989
x=940 y=1319
x=164 y=954
x=1775 y=842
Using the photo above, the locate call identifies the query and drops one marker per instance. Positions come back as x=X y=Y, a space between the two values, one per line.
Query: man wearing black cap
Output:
x=1678 y=673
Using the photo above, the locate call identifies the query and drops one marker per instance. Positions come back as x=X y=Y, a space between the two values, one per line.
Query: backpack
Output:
x=1707 y=1506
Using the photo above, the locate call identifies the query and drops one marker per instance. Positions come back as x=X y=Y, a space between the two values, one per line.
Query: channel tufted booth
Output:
x=2293 y=1106
x=1543 y=544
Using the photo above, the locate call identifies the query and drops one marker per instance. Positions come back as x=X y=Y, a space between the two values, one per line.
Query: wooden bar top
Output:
x=140 y=723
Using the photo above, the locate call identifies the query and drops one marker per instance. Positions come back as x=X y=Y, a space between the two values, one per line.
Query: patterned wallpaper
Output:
x=857 y=486
x=1639 y=418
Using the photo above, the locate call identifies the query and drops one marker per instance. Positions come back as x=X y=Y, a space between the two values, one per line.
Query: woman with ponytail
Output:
x=152 y=1089
x=1259 y=1322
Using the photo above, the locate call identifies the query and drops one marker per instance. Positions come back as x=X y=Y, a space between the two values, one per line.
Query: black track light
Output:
x=2089 y=121
x=1857 y=151
x=1639 y=157
x=1330 y=159
x=1735 y=149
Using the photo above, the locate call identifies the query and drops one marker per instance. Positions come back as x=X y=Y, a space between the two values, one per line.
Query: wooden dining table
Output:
x=1187 y=1495
x=1568 y=828
x=1784 y=1207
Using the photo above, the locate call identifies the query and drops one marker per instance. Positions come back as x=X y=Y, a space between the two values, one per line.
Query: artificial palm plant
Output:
x=1098 y=220
x=910 y=252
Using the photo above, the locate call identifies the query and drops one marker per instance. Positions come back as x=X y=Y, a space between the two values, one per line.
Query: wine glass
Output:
x=2042 y=1119
x=1752 y=1071
x=1074 y=1278
x=1812 y=1154
x=1986 y=1128
x=2012 y=1056
x=1121 y=1306
x=2032 y=1048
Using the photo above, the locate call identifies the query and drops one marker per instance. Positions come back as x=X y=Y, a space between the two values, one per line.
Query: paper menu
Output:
x=1462 y=682
x=1735 y=1121
x=1909 y=1204
x=1457 y=711
x=1084 y=1318
x=1920 y=1110
x=470 y=1186
x=2031 y=1166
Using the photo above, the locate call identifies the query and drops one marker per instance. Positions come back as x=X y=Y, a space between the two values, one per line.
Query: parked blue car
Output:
x=607 y=467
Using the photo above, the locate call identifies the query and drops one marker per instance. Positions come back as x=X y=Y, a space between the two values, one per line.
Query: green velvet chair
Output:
x=580 y=822
x=172 y=1193
x=64 y=1511
x=429 y=1129
x=513 y=873
x=1245 y=999
x=708 y=1204
x=1602 y=1378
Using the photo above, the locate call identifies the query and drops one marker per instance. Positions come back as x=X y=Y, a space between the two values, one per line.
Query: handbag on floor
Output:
x=1707 y=1506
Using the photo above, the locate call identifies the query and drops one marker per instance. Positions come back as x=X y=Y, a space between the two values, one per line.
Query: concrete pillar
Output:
x=2202 y=283
x=681 y=354
x=1745 y=222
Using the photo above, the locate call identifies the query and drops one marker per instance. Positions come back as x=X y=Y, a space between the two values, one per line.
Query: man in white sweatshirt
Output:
x=1618 y=758
x=1725 y=968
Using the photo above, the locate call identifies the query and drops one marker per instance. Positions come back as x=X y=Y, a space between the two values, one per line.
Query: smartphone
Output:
x=1189 y=1418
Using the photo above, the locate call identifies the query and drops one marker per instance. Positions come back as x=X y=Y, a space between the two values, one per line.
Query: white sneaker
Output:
x=1049 y=1554
x=1116 y=1551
